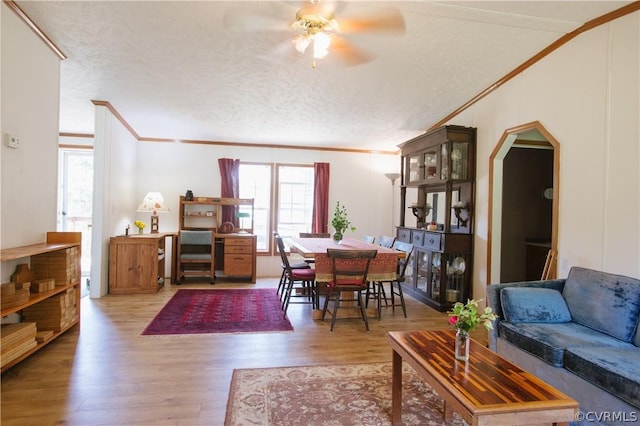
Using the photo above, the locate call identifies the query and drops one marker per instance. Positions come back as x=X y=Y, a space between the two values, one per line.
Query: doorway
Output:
x=76 y=201
x=523 y=204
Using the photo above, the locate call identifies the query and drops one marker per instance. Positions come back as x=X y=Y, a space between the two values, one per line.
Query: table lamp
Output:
x=153 y=202
x=241 y=216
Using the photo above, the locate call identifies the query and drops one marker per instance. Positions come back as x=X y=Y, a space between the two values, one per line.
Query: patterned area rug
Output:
x=339 y=395
x=220 y=311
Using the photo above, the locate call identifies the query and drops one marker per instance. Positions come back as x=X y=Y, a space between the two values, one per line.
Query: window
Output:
x=295 y=200
x=290 y=190
x=255 y=182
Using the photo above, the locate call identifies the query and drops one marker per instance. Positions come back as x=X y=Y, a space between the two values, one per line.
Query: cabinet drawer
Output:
x=238 y=264
x=238 y=249
x=432 y=240
x=238 y=242
x=404 y=235
x=417 y=238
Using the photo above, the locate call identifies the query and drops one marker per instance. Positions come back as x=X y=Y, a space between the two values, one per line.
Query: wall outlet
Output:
x=11 y=141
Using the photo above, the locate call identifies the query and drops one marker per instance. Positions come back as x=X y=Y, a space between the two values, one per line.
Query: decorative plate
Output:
x=459 y=265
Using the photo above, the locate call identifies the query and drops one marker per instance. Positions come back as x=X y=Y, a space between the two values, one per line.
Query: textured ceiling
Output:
x=225 y=71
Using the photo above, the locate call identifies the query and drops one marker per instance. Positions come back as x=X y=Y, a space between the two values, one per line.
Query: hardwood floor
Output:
x=107 y=373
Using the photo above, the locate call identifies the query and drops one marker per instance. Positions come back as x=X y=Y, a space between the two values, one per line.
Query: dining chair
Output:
x=376 y=289
x=349 y=275
x=369 y=239
x=385 y=241
x=296 y=265
x=195 y=254
x=299 y=283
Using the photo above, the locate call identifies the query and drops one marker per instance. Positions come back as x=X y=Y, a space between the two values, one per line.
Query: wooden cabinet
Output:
x=53 y=311
x=439 y=273
x=240 y=256
x=441 y=165
x=137 y=263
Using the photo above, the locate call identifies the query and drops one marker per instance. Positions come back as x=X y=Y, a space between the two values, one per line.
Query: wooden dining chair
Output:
x=349 y=275
x=295 y=265
x=299 y=283
x=376 y=289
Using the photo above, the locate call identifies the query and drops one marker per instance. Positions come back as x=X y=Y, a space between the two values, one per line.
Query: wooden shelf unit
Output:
x=55 y=242
x=206 y=212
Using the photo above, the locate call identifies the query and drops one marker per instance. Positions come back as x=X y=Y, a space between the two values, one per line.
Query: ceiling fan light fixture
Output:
x=317 y=26
x=301 y=42
x=321 y=42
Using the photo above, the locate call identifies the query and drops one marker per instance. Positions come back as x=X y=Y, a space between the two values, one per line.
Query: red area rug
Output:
x=220 y=311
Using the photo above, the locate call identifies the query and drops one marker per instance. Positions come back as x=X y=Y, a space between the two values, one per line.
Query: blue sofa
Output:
x=579 y=334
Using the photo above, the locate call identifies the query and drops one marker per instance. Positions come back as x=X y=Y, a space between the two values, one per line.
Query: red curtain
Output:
x=320 y=218
x=229 y=187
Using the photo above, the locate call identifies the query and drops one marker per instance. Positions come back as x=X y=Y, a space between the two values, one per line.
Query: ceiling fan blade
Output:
x=390 y=21
x=349 y=54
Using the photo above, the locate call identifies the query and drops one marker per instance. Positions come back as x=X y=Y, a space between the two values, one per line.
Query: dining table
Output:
x=382 y=268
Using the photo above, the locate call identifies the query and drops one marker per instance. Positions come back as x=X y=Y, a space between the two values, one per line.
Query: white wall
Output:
x=114 y=191
x=587 y=95
x=356 y=179
x=30 y=96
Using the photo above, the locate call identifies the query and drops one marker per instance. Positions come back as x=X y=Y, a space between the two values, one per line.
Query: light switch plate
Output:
x=11 y=141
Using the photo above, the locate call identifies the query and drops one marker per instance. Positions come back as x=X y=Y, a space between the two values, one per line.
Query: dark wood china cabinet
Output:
x=440 y=165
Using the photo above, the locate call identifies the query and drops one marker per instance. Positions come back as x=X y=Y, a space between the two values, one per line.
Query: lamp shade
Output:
x=153 y=202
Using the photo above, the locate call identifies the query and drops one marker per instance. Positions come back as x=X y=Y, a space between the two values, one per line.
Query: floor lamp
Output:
x=392 y=177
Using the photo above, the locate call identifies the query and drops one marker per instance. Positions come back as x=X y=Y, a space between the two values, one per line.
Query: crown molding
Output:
x=24 y=18
x=139 y=138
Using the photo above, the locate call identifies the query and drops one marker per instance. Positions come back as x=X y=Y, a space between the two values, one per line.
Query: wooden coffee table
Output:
x=486 y=390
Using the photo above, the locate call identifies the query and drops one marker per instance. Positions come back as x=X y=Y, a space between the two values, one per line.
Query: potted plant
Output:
x=340 y=223
x=465 y=318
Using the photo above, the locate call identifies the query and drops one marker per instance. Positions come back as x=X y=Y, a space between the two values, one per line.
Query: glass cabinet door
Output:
x=422 y=269
x=415 y=168
x=435 y=278
x=460 y=160
x=444 y=161
x=456 y=273
x=431 y=164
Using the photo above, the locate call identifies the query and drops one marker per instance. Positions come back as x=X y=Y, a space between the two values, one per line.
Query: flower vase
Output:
x=337 y=237
x=462 y=345
x=140 y=231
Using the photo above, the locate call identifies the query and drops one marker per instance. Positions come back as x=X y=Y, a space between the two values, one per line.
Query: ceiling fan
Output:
x=321 y=26
x=317 y=26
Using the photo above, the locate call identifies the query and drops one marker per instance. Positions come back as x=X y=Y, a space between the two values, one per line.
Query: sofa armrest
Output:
x=493 y=300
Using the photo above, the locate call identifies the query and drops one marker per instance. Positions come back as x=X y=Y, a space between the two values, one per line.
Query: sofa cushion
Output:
x=528 y=304
x=605 y=302
x=549 y=341
x=616 y=370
